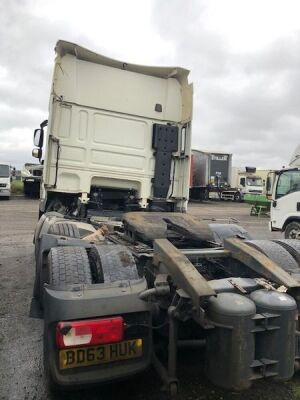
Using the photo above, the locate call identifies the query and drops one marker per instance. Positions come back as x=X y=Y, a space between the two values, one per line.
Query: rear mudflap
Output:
x=96 y=301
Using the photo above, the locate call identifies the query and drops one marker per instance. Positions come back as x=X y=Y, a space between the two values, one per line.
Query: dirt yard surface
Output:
x=21 y=366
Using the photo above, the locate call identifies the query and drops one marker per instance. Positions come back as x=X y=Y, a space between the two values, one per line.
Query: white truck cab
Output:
x=118 y=135
x=243 y=182
x=4 y=180
x=285 y=205
x=250 y=184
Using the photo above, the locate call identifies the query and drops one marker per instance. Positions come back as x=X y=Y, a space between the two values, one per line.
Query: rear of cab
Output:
x=102 y=114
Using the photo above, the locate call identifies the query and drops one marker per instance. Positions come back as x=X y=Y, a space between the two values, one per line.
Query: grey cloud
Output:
x=19 y=117
x=245 y=103
x=26 y=53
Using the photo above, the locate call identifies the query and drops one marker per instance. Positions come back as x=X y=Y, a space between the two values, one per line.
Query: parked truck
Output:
x=5 y=177
x=285 y=203
x=266 y=177
x=243 y=181
x=210 y=174
x=31 y=176
x=124 y=275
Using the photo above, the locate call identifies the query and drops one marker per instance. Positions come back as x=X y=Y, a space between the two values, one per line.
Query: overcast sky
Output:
x=244 y=57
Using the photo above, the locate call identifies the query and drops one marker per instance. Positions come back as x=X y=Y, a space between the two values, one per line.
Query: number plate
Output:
x=94 y=355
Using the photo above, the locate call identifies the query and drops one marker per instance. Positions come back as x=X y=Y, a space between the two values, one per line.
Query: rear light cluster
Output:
x=89 y=332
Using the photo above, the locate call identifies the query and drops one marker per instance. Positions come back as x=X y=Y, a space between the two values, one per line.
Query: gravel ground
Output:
x=21 y=367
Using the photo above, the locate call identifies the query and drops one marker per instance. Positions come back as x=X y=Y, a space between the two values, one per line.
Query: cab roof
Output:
x=63 y=47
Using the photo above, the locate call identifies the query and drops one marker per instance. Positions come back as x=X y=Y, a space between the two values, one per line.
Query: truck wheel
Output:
x=292 y=230
x=276 y=253
x=56 y=205
x=238 y=197
x=111 y=263
x=64 y=266
x=292 y=246
x=64 y=229
x=67 y=266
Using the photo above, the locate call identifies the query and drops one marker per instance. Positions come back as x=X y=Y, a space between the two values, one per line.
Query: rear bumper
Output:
x=96 y=301
x=4 y=192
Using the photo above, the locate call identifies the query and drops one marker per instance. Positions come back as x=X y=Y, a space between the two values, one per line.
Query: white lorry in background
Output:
x=243 y=181
x=4 y=180
x=285 y=205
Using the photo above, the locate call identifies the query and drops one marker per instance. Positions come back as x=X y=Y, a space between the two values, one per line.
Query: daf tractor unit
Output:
x=124 y=275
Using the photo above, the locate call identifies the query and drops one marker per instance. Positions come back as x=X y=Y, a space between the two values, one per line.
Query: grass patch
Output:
x=296 y=392
x=17 y=187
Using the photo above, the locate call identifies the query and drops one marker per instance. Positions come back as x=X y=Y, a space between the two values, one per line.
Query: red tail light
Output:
x=89 y=332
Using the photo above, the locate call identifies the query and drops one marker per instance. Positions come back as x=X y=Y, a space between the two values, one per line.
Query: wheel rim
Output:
x=294 y=233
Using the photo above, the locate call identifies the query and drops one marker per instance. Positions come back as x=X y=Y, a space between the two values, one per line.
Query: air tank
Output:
x=276 y=332
x=230 y=346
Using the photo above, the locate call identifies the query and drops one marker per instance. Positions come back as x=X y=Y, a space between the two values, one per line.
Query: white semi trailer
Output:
x=285 y=204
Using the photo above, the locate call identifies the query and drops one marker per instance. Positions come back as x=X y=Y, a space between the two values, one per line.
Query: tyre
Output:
x=238 y=197
x=292 y=246
x=276 y=253
x=64 y=229
x=36 y=241
x=67 y=266
x=111 y=263
x=292 y=230
x=63 y=266
x=56 y=205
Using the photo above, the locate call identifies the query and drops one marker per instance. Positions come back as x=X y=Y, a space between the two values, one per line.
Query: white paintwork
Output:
x=5 y=191
x=237 y=175
x=102 y=111
x=283 y=208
